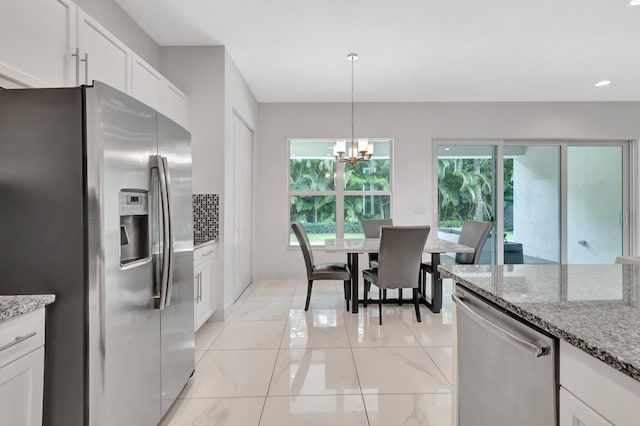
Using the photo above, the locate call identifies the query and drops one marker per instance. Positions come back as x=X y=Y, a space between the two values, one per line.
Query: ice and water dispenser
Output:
x=134 y=226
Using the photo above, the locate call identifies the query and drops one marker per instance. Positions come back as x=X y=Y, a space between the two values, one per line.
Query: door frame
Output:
x=630 y=174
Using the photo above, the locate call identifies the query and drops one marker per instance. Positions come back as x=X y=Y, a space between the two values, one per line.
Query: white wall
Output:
x=239 y=101
x=199 y=72
x=110 y=15
x=413 y=126
x=217 y=91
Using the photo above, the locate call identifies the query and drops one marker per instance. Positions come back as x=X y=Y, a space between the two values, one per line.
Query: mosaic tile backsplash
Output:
x=206 y=217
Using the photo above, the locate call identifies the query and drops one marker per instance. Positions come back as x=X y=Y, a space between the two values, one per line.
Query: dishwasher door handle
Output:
x=537 y=350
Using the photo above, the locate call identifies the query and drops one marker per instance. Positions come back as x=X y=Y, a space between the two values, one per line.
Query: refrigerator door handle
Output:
x=156 y=213
x=169 y=228
x=166 y=233
x=537 y=350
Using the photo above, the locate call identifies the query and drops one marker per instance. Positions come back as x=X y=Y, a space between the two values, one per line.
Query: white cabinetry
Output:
x=204 y=260
x=38 y=38
x=176 y=104
x=22 y=369
x=593 y=393
x=147 y=84
x=54 y=43
x=574 y=412
x=103 y=56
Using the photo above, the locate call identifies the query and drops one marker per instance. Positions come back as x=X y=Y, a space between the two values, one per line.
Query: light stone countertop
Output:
x=13 y=306
x=593 y=307
x=198 y=245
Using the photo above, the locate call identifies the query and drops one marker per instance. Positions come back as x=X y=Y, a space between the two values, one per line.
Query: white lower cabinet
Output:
x=204 y=259
x=593 y=393
x=22 y=369
x=574 y=412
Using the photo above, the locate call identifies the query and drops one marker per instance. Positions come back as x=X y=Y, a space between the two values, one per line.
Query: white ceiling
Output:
x=413 y=50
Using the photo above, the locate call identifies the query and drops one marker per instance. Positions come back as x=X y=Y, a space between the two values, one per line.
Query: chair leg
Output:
x=366 y=292
x=309 y=285
x=384 y=294
x=347 y=292
x=380 y=305
x=400 y=296
x=416 y=302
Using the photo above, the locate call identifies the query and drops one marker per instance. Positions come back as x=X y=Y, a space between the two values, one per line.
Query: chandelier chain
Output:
x=363 y=151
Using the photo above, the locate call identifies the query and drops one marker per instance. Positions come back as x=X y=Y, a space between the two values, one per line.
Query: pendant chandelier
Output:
x=360 y=150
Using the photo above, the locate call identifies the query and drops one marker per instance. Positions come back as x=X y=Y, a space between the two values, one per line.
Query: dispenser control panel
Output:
x=134 y=203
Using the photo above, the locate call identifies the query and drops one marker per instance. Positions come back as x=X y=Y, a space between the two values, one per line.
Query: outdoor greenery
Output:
x=318 y=212
x=465 y=188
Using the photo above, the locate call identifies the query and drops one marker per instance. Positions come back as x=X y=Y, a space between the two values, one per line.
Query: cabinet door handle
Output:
x=77 y=56
x=86 y=68
x=199 y=286
x=208 y=253
x=17 y=340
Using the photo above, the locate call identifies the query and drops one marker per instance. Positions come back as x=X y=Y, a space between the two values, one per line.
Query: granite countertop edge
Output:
x=14 y=306
x=591 y=348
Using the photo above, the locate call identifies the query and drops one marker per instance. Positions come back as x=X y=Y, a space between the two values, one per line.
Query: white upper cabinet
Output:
x=147 y=84
x=176 y=104
x=38 y=39
x=54 y=43
x=103 y=57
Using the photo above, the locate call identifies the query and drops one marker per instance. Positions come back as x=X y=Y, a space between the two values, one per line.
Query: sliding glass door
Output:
x=550 y=201
x=595 y=219
x=532 y=200
x=466 y=191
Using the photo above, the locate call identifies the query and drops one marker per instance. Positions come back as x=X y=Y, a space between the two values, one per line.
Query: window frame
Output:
x=339 y=192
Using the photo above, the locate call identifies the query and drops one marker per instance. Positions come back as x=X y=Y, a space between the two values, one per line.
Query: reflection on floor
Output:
x=273 y=363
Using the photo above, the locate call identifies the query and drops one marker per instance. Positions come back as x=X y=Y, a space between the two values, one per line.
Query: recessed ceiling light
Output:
x=603 y=83
x=634 y=2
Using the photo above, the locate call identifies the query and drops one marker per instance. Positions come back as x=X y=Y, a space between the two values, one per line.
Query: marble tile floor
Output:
x=272 y=363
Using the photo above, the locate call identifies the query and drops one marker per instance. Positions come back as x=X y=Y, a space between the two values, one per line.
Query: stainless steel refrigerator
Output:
x=95 y=206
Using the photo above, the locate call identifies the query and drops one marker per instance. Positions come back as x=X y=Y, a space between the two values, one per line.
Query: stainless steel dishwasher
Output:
x=507 y=370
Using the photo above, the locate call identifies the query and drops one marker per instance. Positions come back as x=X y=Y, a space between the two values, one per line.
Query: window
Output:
x=331 y=198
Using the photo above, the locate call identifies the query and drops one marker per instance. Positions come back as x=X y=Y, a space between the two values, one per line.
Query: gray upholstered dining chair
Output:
x=321 y=271
x=371 y=229
x=398 y=261
x=473 y=234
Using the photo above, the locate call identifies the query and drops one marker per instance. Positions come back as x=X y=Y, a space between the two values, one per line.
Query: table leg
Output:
x=436 y=284
x=353 y=267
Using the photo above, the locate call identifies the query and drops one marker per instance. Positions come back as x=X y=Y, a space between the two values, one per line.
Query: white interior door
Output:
x=243 y=157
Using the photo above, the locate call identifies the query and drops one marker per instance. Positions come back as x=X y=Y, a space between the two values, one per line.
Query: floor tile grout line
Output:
x=355 y=367
x=274 y=367
x=426 y=349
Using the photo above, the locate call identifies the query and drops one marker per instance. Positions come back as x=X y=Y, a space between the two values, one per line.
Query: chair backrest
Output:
x=474 y=234
x=400 y=255
x=371 y=227
x=305 y=245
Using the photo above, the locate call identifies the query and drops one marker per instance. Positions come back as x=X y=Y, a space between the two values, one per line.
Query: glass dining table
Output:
x=353 y=247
